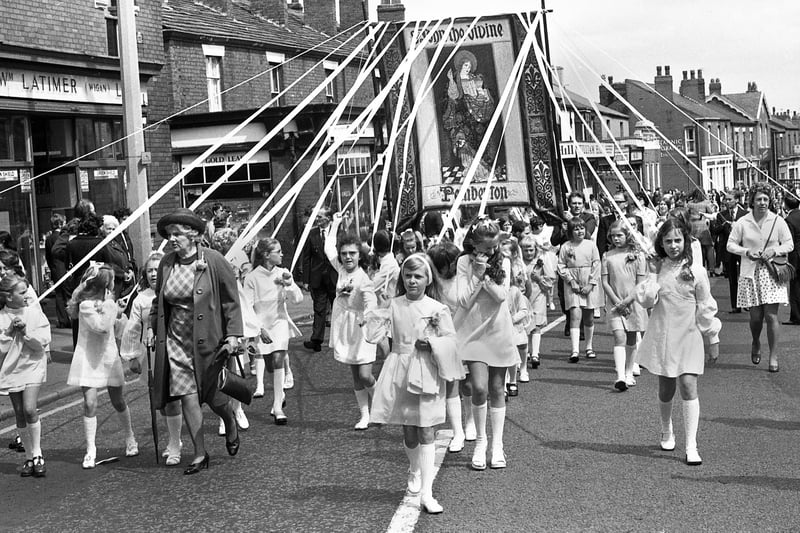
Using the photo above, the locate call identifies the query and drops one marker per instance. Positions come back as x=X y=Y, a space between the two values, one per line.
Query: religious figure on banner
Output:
x=467 y=109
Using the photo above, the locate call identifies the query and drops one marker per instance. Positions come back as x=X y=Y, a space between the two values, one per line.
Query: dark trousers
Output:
x=794 y=300
x=62 y=318
x=322 y=297
x=732 y=270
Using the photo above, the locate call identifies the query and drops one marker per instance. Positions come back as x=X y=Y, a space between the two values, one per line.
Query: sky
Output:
x=736 y=41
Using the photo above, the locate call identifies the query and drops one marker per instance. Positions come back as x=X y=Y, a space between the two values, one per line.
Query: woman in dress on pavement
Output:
x=24 y=334
x=96 y=362
x=759 y=237
x=354 y=294
x=133 y=348
x=684 y=315
x=195 y=311
x=411 y=387
x=269 y=287
x=579 y=267
x=485 y=333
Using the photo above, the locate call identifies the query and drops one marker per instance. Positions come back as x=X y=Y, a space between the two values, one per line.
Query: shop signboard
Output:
x=59 y=86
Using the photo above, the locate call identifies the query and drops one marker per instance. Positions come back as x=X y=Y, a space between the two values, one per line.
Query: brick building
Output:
x=264 y=45
x=60 y=98
x=785 y=129
x=676 y=115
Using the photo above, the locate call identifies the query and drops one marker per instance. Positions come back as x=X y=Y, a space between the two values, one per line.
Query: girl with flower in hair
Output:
x=411 y=390
x=485 y=330
x=579 y=267
x=24 y=334
x=684 y=314
x=96 y=362
x=623 y=267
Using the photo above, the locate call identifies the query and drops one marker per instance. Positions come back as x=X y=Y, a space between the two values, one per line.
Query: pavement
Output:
x=56 y=388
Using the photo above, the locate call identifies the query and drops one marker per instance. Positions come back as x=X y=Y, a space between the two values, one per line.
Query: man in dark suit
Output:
x=57 y=269
x=319 y=277
x=791 y=204
x=732 y=212
x=605 y=222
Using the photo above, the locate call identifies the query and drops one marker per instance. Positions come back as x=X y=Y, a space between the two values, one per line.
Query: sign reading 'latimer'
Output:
x=39 y=85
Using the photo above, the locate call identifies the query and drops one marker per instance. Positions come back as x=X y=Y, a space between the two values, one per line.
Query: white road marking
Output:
x=407 y=513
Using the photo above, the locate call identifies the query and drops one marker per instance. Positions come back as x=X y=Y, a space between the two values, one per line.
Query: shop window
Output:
x=60 y=139
x=101 y=138
x=13 y=139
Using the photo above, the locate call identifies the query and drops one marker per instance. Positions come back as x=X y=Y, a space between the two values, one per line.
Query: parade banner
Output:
x=469 y=75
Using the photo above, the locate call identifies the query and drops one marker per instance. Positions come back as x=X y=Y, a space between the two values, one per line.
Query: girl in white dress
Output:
x=579 y=266
x=520 y=311
x=354 y=294
x=542 y=274
x=24 y=334
x=684 y=314
x=411 y=387
x=133 y=348
x=268 y=287
x=624 y=266
x=96 y=362
x=485 y=332
x=384 y=272
x=444 y=257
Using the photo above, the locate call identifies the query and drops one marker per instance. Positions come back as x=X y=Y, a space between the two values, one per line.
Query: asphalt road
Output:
x=581 y=457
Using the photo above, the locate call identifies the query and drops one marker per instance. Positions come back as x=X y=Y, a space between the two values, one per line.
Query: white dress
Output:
x=411 y=389
x=683 y=313
x=519 y=308
x=23 y=363
x=385 y=280
x=484 y=330
x=96 y=362
x=268 y=299
x=580 y=263
x=132 y=344
x=541 y=290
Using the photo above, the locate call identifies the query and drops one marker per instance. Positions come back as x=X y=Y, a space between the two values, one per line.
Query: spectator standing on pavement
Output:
x=319 y=277
x=196 y=310
x=133 y=348
x=96 y=362
x=411 y=388
x=484 y=331
x=623 y=267
x=57 y=268
x=684 y=314
x=24 y=334
x=268 y=288
x=579 y=267
x=355 y=294
x=757 y=238
x=791 y=204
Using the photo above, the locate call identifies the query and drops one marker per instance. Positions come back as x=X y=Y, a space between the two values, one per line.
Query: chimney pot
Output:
x=685 y=74
x=666 y=70
x=658 y=71
x=611 y=80
x=699 y=74
x=691 y=73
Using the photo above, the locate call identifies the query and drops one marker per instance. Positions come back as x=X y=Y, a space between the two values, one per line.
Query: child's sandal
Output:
x=590 y=354
x=574 y=357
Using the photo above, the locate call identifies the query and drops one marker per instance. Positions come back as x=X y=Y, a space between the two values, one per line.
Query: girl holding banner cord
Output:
x=354 y=294
x=485 y=333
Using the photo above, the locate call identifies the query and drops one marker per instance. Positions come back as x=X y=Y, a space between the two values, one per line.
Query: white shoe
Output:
x=630 y=381
x=221 y=430
x=241 y=419
x=693 y=458
x=470 y=433
x=479 y=455
x=362 y=424
x=131 y=447
x=173 y=457
x=430 y=505
x=288 y=380
x=414 y=481
x=668 y=442
x=636 y=370
x=259 y=393
x=457 y=444
x=88 y=461
x=524 y=377
x=552 y=306
x=498 y=459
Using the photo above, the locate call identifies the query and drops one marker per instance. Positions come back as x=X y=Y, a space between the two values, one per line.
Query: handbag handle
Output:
x=774 y=221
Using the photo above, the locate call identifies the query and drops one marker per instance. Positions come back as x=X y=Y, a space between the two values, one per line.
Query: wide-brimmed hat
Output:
x=183 y=216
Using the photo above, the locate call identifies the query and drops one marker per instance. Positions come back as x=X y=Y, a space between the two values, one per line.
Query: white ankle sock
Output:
x=498 y=417
x=619 y=362
x=691 y=419
x=35 y=429
x=174 y=424
x=25 y=437
x=125 y=420
x=453 y=406
x=536 y=343
x=666 y=416
x=575 y=339
x=479 y=414
x=278 y=375
x=90 y=429
x=427 y=467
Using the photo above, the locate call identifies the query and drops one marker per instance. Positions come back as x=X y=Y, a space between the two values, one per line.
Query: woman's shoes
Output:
x=755 y=357
x=197 y=467
x=430 y=505
x=233 y=446
x=574 y=357
x=773 y=368
x=173 y=457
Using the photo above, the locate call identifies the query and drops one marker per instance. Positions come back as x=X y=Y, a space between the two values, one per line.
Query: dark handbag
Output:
x=236 y=386
x=779 y=267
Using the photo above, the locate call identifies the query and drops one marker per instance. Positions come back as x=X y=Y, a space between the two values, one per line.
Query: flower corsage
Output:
x=200 y=265
x=432 y=324
x=686 y=272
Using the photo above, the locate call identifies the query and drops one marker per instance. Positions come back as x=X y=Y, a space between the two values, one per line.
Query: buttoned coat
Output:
x=217 y=315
